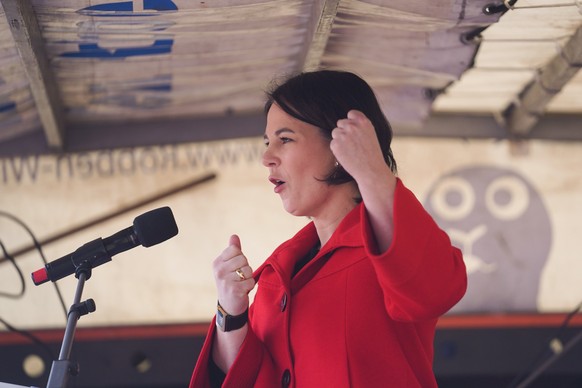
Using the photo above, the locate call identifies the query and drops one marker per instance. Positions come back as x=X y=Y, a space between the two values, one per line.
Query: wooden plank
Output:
x=522 y=116
x=28 y=40
x=323 y=16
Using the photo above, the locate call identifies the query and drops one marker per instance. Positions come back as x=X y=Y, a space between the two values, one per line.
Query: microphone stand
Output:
x=534 y=375
x=63 y=368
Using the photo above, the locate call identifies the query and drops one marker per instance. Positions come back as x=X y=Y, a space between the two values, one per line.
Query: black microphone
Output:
x=148 y=229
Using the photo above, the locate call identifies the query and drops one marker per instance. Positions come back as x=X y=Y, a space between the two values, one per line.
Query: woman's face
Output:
x=297 y=155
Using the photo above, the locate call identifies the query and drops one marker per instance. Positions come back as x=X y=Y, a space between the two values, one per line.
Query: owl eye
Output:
x=453 y=198
x=507 y=198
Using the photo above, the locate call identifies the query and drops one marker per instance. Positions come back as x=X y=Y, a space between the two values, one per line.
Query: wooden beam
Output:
x=84 y=137
x=550 y=127
x=521 y=116
x=323 y=16
x=28 y=40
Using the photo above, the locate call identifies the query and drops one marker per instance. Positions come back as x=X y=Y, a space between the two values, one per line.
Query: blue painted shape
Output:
x=92 y=50
x=160 y=5
x=157 y=88
x=154 y=83
x=127 y=6
x=7 y=106
x=132 y=101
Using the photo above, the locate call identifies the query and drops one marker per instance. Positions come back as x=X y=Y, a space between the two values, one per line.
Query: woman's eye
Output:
x=285 y=140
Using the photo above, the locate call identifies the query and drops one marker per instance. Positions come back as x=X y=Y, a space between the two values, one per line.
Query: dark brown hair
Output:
x=321 y=98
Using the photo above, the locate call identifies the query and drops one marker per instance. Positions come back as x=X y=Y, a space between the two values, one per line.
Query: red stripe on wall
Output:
x=481 y=321
x=501 y=321
x=111 y=333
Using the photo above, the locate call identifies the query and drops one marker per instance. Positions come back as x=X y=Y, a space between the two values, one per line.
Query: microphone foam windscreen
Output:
x=155 y=226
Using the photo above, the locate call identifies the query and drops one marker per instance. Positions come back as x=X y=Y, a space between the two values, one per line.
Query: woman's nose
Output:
x=269 y=157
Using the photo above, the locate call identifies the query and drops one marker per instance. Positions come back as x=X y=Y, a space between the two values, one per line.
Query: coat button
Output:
x=286 y=379
x=284 y=302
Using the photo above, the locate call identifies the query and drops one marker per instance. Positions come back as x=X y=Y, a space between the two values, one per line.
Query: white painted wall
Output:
x=173 y=282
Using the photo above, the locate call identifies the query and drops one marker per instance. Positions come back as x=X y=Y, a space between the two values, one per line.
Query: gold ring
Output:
x=240 y=274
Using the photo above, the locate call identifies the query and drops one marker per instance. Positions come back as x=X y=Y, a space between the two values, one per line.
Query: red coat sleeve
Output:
x=422 y=275
x=255 y=371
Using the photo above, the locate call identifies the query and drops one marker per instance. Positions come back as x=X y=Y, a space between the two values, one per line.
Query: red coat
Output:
x=360 y=320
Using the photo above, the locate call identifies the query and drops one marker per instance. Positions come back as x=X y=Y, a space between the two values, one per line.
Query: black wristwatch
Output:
x=226 y=322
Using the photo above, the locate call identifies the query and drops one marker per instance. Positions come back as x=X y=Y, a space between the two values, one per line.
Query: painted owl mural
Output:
x=499 y=221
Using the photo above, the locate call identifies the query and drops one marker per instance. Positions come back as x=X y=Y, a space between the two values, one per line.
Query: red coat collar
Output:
x=282 y=260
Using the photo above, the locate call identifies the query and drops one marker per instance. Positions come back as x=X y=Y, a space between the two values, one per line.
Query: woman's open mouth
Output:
x=278 y=184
